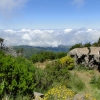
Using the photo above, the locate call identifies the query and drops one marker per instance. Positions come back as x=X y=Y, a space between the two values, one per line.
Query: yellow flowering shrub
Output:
x=63 y=93
x=59 y=93
x=67 y=61
x=89 y=97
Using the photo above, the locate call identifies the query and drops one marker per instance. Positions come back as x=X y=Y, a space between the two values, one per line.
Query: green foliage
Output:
x=60 y=54
x=76 y=83
x=81 y=67
x=67 y=61
x=79 y=45
x=51 y=75
x=57 y=73
x=87 y=44
x=1 y=43
x=16 y=75
x=43 y=56
x=96 y=44
x=30 y=50
x=95 y=81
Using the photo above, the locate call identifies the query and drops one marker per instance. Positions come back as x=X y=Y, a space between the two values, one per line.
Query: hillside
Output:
x=30 y=50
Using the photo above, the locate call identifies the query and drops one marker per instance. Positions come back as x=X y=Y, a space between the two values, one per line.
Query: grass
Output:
x=79 y=82
x=86 y=76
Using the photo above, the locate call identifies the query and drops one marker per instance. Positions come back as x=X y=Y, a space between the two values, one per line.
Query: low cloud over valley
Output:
x=49 y=37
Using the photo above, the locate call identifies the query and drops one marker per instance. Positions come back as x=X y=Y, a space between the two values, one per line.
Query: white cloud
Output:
x=78 y=3
x=50 y=31
x=68 y=30
x=9 y=31
x=26 y=37
x=8 y=6
x=89 y=30
x=25 y=30
x=49 y=37
x=38 y=31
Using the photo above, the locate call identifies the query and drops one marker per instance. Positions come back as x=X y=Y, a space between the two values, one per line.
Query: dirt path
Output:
x=42 y=64
x=86 y=76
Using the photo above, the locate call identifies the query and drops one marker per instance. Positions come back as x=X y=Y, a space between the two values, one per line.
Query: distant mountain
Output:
x=30 y=50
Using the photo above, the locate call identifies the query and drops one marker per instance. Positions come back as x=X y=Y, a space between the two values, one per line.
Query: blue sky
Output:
x=49 y=14
x=49 y=22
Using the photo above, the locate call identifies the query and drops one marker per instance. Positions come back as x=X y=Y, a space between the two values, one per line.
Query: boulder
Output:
x=38 y=96
x=89 y=57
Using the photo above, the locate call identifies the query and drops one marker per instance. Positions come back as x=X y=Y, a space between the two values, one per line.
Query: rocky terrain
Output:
x=89 y=57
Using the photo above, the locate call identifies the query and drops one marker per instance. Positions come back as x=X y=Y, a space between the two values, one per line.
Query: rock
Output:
x=11 y=51
x=79 y=97
x=38 y=96
x=87 y=57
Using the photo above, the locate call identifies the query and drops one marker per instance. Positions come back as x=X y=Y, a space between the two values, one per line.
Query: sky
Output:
x=49 y=22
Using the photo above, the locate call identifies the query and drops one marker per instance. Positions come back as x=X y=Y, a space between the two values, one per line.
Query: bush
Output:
x=67 y=61
x=59 y=93
x=16 y=76
x=47 y=55
x=51 y=75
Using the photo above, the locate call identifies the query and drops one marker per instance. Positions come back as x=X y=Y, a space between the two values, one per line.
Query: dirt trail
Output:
x=42 y=64
x=86 y=76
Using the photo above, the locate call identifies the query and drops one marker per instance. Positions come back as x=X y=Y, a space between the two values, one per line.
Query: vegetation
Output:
x=80 y=45
x=60 y=79
x=95 y=81
x=96 y=44
x=59 y=93
x=16 y=76
x=67 y=61
x=47 y=55
x=28 y=51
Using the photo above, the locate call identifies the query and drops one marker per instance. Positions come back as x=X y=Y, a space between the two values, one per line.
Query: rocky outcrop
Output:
x=89 y=57
x=11 y=51
x=38 y=96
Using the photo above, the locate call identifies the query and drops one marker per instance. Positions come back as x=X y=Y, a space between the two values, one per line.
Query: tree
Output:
x=96 y=44
x=16 y=76
x=1 y=43
x=79 y=45
x=20 y=51
x=87 y=44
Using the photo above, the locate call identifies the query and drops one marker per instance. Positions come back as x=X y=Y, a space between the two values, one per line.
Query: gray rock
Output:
x=87 y=57
x=79 y=97
x=38 y=96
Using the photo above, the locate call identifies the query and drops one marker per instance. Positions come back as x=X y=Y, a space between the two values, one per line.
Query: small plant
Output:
x=76 y=83
x=95 y=81
x=89 y=97
x=59 y=93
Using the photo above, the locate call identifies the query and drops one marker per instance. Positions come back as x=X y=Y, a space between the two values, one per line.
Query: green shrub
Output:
x=16 y=76
x=47 y=55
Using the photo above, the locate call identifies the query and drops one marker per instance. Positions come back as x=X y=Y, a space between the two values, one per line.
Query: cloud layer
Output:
x=49 y=37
